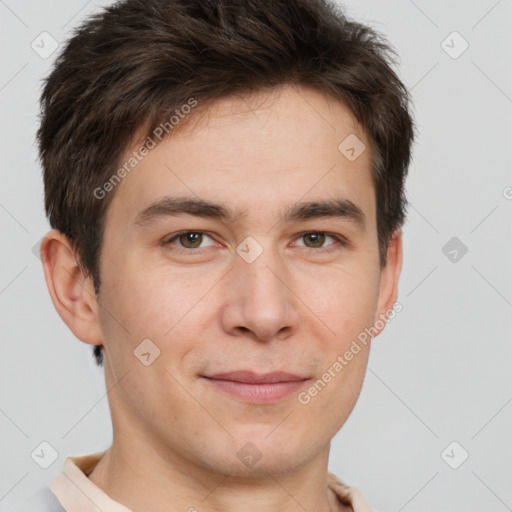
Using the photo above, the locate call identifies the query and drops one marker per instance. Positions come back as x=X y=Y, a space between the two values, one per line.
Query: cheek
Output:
x=335 y=392
x=156 y=303
x=147 y=299
x=155 y=397
x=343 y=301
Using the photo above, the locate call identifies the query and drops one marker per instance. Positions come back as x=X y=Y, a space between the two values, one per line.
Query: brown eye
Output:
x=190 y=239
x=316 y=239
x=321 y=241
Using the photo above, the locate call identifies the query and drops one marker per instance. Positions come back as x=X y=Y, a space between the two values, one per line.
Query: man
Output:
x=224 y=181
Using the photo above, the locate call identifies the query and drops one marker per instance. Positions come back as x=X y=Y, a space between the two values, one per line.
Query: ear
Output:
x=388 y=290
x=72 y=292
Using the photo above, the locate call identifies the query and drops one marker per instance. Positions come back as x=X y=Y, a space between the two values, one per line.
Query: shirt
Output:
x=72 y=491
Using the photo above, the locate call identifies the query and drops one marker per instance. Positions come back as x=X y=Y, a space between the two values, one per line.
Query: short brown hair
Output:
x=133 y=64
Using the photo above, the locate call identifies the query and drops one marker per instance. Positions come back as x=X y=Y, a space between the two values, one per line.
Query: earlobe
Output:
x=390 y=275
x=71 y=289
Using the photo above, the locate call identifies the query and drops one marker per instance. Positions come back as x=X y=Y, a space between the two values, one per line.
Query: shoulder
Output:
x=42 y=501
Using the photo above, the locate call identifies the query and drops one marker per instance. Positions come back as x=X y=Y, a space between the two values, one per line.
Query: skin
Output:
x=296 y=308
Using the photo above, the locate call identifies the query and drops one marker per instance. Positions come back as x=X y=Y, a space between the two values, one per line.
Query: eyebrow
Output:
x=326 y=208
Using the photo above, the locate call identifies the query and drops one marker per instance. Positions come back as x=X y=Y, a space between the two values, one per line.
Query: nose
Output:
x=260 y=301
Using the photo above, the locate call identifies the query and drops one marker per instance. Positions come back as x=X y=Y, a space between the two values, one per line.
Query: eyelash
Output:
x=341 y=241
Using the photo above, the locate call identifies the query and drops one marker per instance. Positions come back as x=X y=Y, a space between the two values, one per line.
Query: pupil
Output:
x=317 y=238
x=191 y=238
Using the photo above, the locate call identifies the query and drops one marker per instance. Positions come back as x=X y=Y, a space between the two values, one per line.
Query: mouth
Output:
x=258 y=389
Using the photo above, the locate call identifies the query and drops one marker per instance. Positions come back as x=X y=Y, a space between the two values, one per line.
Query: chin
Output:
x=275 y=464
x=259 y=454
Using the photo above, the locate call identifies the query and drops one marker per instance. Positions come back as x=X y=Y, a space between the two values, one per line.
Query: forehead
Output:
x=256 y=153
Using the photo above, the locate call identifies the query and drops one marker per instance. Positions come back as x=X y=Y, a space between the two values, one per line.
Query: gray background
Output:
x=440 y=372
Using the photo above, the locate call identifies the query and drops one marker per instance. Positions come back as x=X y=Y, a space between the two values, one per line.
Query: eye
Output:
x=316 y=240
x=188 y=239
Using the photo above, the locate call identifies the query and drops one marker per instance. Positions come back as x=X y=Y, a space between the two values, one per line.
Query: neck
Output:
x=141 y=480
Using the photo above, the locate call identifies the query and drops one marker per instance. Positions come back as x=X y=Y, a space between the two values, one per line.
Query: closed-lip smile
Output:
x=257 y=388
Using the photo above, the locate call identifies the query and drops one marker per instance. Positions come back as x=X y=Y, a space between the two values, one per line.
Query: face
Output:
x=273 y=285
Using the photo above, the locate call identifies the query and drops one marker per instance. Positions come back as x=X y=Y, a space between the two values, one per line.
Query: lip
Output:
x=257 y=388
x=250 y=377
